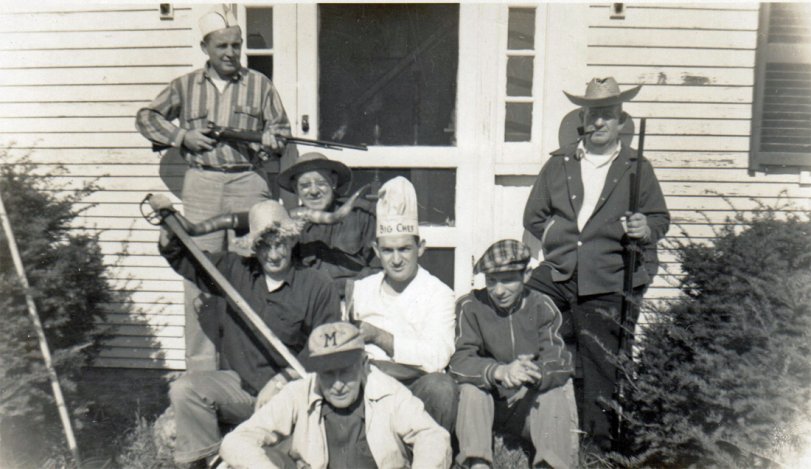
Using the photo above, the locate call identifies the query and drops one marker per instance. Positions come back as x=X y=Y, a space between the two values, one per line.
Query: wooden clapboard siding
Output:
x=71 y=79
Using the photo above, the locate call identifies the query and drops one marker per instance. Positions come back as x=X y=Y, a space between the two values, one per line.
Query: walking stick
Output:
x=169 y=219
x=631 y=250
x=64 y=416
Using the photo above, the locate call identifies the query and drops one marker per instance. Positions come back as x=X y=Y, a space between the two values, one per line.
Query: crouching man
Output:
x=512 y=366
x=346 y=415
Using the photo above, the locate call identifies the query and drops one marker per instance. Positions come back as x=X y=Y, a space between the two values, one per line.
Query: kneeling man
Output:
x=512 y=365
x=347 y=414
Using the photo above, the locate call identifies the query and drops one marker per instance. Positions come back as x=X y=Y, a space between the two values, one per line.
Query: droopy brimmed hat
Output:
x=397 y=212
x=507 y=255
x=603 y=92
x=333 y=346
x=269 y=216
x=218 y=17
x=315 y=161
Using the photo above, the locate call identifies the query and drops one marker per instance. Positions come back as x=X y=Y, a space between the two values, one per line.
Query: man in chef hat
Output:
x=406 y=315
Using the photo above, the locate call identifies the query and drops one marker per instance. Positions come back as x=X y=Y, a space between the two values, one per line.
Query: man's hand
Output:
x=272 y=142
x=522 y=370
x=377 y=336
x=636 y=226
x=198 y=140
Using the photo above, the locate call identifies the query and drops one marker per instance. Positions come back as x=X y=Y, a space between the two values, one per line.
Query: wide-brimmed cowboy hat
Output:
x=313 y=162
x=603 y=92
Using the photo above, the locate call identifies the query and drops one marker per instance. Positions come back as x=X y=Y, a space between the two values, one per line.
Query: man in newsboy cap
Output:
x=513 y=368
x=346 y=414
x=578 y=209
x=222 y=176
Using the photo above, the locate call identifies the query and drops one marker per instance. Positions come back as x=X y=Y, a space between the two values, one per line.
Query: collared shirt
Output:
x=421 y=319
x=347 y=445
x=305 y=300
x=593 y=170
x=400 y=432
x=249 y=102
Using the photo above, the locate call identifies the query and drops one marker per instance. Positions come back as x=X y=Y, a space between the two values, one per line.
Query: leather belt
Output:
x=224 y=169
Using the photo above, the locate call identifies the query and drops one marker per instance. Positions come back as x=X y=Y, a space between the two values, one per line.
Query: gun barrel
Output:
x=256 y=136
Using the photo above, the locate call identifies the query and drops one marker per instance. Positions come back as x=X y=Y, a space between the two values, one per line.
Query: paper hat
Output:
x=333 y=346
x=397 y=208
x=603 y=92
x=219 y=17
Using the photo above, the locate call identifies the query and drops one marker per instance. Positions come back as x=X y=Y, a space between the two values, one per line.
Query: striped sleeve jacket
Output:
x=487 y=337
x=248 y=102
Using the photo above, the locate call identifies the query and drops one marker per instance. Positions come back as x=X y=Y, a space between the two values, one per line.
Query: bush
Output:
x=68 y=282
x=723 y=378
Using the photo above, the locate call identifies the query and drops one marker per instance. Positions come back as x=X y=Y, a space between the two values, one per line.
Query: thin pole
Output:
x=43 y=342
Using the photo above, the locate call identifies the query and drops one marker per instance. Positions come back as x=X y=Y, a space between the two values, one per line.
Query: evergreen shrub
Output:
x=723 y=374
x=70 y=287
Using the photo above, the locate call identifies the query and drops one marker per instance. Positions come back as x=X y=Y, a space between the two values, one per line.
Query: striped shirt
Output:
x=248 y=102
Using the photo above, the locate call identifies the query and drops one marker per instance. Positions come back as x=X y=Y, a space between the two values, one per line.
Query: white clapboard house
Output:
x=464 y=99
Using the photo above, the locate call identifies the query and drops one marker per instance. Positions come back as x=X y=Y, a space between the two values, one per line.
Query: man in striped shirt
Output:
x=222 y=175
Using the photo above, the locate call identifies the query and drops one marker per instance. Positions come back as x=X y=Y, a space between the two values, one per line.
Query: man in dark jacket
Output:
x=578 y=208
x=512 y=365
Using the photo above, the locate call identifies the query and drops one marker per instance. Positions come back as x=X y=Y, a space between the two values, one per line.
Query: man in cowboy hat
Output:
x=513 y=368
x=405 y=314
x=290 y=299
x=347 y=414
x=578 y=208
x=342 y=250
x=222 y=176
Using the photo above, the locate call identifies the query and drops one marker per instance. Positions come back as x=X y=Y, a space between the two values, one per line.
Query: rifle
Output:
x=255 y=136
x=631 y=251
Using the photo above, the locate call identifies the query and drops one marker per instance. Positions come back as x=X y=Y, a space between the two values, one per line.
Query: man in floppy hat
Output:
x=222 y=176
x=292 y=301
x=342 y=250
x=347 y=414
x=578 y=209
x=405 y=314
x=512 y=365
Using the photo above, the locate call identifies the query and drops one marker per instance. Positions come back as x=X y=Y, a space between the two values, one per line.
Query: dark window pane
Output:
x=262 y=63
x=260 y=27
x=519 y=76
x=518 y=122
x=387 y=73
x=439 y=261
x=521 y=29
x=436 y=190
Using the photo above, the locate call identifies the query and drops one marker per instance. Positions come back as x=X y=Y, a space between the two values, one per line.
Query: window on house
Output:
x=259 y=39
x=781 y=118
x=520 y=66
x=387 y=73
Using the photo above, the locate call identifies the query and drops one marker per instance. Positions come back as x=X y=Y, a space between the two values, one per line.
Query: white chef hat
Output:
x=397 y=208
x=219 y=17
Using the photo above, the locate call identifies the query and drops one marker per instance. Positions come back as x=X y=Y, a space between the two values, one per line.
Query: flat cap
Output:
x=506 y=255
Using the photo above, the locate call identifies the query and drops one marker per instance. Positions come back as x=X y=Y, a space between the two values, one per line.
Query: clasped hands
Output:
x=520 y=371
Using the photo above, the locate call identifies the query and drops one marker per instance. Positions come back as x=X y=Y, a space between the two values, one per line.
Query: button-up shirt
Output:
x=421 y=318
x=248 y=102
x=347 y=445
x=305 y=300
x=593 y=170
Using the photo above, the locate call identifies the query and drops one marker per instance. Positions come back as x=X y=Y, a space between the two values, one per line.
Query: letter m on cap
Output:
x=330 y=337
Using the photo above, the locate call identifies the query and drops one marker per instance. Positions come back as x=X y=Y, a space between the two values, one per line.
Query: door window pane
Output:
x=519 y=76
x=518 y=122
x=259 y=22
x=439 y=261
x=521 y=29
x=261 y=63
x=387 y=73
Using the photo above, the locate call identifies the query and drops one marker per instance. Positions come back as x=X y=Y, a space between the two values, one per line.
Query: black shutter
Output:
x=781 y=119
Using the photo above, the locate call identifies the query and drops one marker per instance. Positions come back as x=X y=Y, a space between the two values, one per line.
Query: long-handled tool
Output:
x=168 y=217
x=64 y=416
